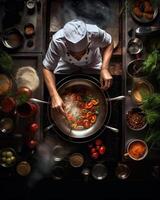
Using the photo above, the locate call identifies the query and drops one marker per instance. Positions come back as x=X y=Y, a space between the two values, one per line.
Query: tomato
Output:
x=98 y=142
x=34 y=127
x=89 y=105
x=86 y=123
x=95 y=155
x=102 y=149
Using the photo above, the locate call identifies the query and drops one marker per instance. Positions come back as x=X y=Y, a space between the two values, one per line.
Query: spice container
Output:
x=23 y=168
x=137 y=149
x=29 y=30
x=136 y=119
x=76 y=160
x=6 y=125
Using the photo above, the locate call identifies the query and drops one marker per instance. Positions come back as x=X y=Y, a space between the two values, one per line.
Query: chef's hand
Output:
x=57 y=104
x=105 y=79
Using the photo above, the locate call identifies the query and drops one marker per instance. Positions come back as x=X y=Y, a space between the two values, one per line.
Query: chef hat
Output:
x=75 y=33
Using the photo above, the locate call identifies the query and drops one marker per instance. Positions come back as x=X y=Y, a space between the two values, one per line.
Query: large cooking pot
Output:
x=81 y=83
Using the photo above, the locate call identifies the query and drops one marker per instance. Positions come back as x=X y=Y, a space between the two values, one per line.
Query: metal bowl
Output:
x=8 y=157
x=135 y=46
x=144 y=18
x=12 y=39
x=136 y=117
x=137 y=149
x=135 y=68
x=141 y=87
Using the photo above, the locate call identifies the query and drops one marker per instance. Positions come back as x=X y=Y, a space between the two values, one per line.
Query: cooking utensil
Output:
x=135 y=46
x=7 y=157
x=12 y=39
x=135 y=68
x=147 y=30
x=104 y=106
x=99 y=171
x=137 y=149
x=122 y=171
x=144 y=17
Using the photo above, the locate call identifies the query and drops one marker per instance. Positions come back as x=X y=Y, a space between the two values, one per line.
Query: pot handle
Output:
x=116 y=98
x=39 y=101
x=112 y=129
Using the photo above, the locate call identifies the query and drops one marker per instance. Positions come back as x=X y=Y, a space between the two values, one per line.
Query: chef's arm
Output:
x=105 y=76
x=50 y=80
x=106 y=55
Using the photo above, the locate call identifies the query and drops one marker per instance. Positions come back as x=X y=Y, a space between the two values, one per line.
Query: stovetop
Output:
x=111 y=139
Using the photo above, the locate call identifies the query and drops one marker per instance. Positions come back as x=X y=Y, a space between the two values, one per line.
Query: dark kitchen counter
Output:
x=144 y=179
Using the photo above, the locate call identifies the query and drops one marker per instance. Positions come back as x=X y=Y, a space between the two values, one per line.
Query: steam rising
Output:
x=97 y=12
x=47 y=156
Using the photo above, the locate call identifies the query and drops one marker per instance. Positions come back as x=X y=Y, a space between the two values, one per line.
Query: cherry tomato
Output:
x=102 y=149
x=98 y=142
x=95 y=155
x=89 y=105
x=34 y=127
x=86 y=123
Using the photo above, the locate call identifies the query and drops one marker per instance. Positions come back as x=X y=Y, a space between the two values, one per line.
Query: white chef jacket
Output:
x=59 y=60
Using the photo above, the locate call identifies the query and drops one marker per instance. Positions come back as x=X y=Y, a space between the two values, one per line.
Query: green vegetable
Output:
x=6 y=61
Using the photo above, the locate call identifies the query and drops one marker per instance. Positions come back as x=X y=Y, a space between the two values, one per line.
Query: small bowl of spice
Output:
x=29 y=30
x=136 y=120
x=137 y=149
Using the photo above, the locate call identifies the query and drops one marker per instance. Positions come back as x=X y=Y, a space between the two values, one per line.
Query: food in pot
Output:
x=13 y=40
x=76 y=160
x=7 y=157
x=5 y=84
x=143 y=9
x=137 y=149
x=82 y=109
x=141 y=88
x=23 y=168
x=135 y=119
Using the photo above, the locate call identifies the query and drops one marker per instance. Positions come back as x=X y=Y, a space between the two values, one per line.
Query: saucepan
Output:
x=80 y=85
x=12 y=38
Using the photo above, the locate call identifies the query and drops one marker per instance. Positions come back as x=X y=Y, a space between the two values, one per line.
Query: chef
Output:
x=77 y=48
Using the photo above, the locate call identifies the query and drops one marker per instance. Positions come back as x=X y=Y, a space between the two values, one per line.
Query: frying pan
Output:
x=81 y=83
